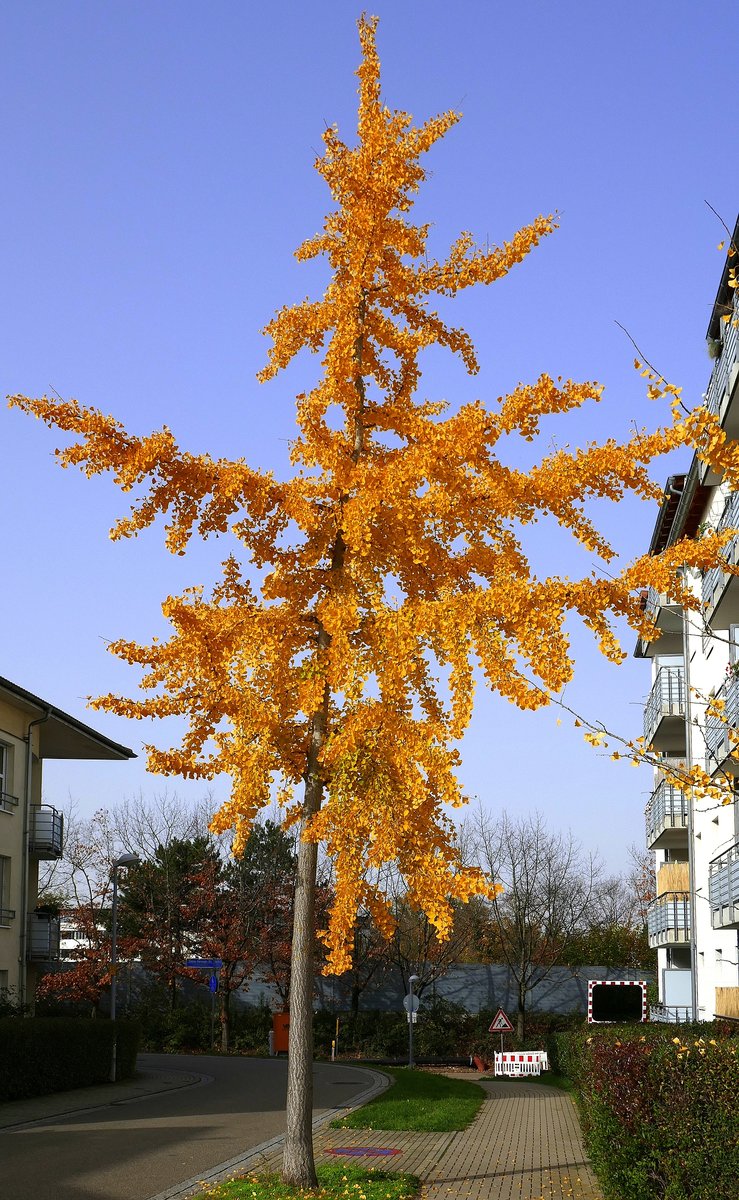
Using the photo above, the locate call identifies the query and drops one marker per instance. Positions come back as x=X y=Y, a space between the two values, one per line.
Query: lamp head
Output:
x=127 y=860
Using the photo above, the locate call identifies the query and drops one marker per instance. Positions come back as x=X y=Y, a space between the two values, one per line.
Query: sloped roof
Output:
x=61 y=735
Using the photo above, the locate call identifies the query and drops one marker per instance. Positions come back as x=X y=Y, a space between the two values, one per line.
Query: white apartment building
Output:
x=32 y=730
x=694 y=920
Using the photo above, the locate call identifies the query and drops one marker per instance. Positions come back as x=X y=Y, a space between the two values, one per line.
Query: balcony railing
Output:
x=717 y=727
x=723 y=889
x=47 y=832
x=713 y=580
x=674 y=1014
x=666 y=816
x=8 y=802
x=668 y=920
x=43 y=937
x=666 y=707
x=668 y=618
x=721 y=372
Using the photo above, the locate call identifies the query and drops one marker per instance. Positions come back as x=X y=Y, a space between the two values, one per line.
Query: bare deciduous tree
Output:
x=549 y=884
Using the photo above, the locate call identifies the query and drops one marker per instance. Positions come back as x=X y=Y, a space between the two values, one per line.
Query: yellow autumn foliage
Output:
x=395 y=571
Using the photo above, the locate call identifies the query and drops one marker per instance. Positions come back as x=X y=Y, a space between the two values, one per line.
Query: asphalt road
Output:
x=137 y=1149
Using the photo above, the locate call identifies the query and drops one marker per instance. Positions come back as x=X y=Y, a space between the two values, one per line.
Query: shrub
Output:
x=52 y=1054
x=658 y=1108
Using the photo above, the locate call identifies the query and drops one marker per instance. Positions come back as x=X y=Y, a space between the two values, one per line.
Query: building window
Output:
x=8 y=802
x=6 y=913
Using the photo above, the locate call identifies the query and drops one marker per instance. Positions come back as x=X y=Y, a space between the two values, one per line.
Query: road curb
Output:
x=255 y=1156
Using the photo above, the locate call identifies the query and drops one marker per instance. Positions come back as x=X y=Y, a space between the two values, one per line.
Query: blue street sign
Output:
x=204 y=964
x=213 y=983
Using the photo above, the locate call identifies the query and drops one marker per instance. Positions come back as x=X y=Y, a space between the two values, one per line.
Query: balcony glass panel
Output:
x=713 y=580
x=666 y=809
x=716 y=728
x=43 y=937
x=719 y=380
x=666 y=699
x=723 y=888
x=47 y=831
x=668 y=919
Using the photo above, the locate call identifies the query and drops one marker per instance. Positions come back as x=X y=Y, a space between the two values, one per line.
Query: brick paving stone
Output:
x=524 y=1144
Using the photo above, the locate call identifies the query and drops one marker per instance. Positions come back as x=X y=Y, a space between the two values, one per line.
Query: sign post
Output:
x=213 y=965
x=410 y=1004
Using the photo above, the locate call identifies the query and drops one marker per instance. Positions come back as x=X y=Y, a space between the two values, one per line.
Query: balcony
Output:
x=666 y=818
x=718 y=745
x=668 y=618
x=723 y=889
x=720 y=591
x=664 y=712
x=722 y=383
x=668 y=920
x=8 y=803
x=47 y=832
x=43 y=937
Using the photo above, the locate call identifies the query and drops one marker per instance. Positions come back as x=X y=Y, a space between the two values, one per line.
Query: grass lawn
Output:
x=334 y=1183
x=418 y=1100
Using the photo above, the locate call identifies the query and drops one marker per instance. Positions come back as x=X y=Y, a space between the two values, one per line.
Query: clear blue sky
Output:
x=158 y=175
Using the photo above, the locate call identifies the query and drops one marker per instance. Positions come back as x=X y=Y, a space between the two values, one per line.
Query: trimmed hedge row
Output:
x=658 y=1107
x=52 y=1054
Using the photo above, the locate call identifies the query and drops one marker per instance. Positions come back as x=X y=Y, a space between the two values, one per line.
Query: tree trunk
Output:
x=521 y=1018
x=298 y=1166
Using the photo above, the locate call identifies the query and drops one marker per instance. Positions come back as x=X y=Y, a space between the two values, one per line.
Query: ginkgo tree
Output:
x=392 y=563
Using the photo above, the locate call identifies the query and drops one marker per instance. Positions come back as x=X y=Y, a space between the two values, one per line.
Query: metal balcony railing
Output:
x=8 y=802
x=717 y=728
x=713 y=579
x=674 y=1014
x=723 y=888
x=719 y=380
x=43 y=937
x=668 y=920
x=666 y=699
x=667 y=808
x=47 y=832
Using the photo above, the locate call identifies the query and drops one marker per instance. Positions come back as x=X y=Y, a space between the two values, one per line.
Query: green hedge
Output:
x=658 y=1106
x=53 y=1054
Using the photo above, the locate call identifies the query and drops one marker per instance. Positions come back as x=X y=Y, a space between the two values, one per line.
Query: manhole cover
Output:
x=362 y=1151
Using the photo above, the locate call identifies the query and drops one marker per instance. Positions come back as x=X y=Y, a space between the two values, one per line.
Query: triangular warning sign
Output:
x=500 y=1024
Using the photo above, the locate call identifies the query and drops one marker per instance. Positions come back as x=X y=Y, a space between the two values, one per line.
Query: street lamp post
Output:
x=413 y=979
x=125 y=860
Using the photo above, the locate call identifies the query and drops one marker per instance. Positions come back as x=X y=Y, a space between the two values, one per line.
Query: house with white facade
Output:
x=694 y=920
x=32 y=730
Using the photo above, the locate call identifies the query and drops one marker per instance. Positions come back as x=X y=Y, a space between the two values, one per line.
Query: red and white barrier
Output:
x=526 y=1062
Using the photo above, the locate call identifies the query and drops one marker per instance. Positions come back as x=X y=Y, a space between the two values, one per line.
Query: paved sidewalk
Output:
x=524 y=1144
